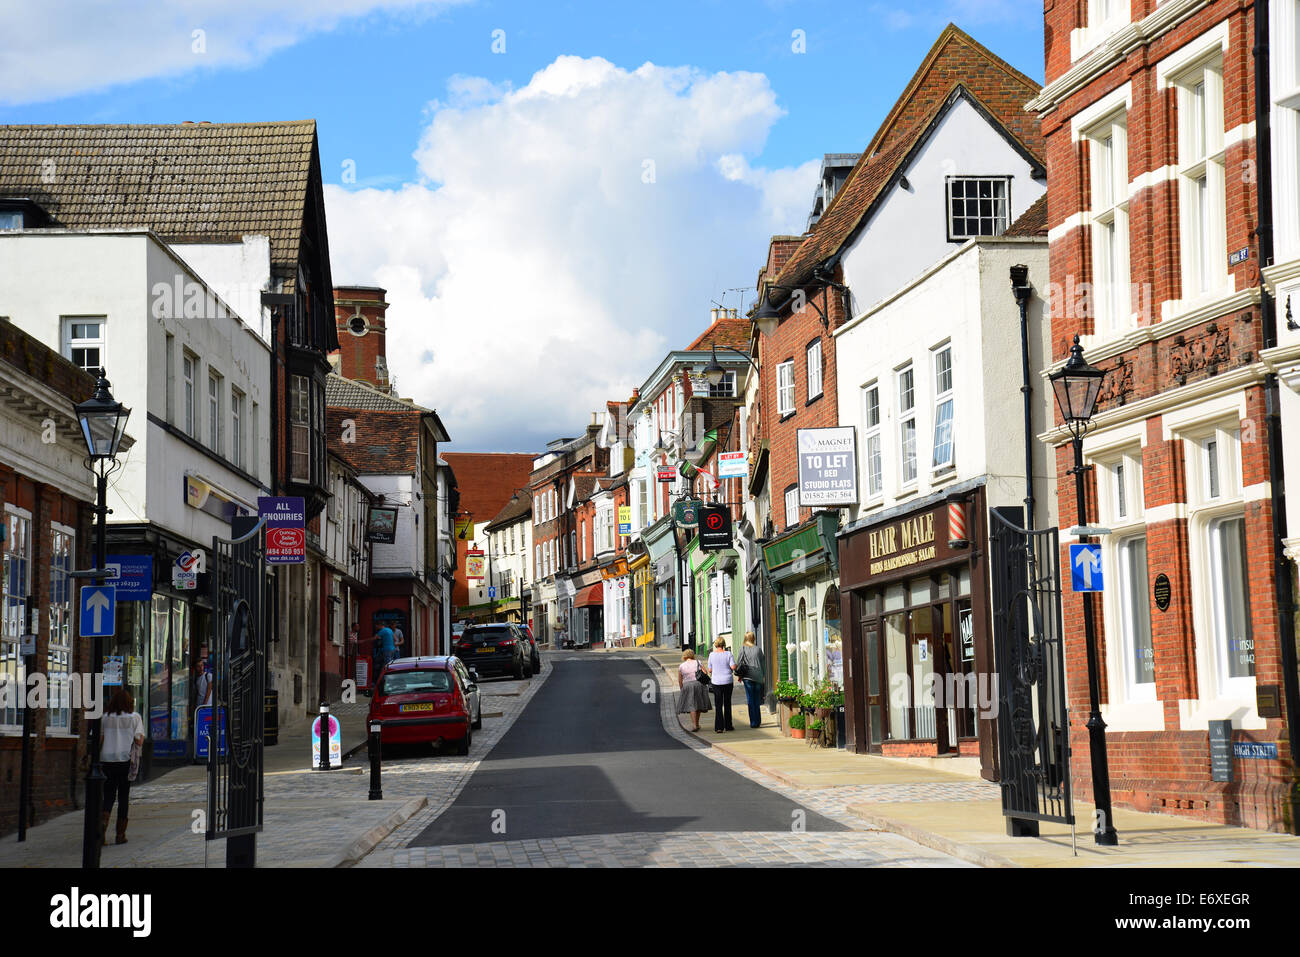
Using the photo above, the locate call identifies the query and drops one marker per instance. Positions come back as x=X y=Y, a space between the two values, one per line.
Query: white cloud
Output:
x=534 y=273
x=54 y=49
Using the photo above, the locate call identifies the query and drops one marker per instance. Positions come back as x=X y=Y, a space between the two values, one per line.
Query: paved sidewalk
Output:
x=962 y=815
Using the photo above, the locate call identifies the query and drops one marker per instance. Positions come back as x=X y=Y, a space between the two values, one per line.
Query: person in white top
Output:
x=721 y=668
x=122 y=731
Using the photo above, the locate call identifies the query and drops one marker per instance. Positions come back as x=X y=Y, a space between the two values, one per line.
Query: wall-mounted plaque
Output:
x=1162 y=591
x=1268 y=701
x=1221 y=750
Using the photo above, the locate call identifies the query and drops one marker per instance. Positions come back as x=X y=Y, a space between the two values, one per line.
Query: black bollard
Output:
x=376 y=792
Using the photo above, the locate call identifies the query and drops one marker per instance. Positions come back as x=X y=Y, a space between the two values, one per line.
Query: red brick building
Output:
x=360 y=315
x=46 y=496
x=1149 y=119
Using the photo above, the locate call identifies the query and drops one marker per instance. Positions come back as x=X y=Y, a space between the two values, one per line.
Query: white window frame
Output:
x=58 y=657
x=1112 y=277
x=792 y=506
x=99 y=342
x=1202 y=178
x=13 y=611
x=785 y=388
x=1284 y=88
x=814 y=359
x=873 y=441
x=943 y=396
x=189 y=365
x=906 y=396
x=237 y=399
x=726 y=388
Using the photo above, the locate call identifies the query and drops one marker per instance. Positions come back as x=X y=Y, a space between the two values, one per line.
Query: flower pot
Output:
x=797 y=733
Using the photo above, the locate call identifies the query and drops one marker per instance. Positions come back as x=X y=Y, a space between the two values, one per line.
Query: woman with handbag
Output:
x=123 y=734
x=694 y=696
x=751 y=669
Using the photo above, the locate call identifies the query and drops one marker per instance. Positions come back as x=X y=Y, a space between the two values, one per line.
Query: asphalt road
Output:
x=589 y=756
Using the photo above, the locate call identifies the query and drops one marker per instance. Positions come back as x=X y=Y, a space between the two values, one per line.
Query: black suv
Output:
x=497 y=649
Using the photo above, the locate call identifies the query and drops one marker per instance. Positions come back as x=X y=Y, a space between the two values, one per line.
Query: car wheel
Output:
x=537 y=665
x=478 y=718
x=463 y=748
x=519 y=670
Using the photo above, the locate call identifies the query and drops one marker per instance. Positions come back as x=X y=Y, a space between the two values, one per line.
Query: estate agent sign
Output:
x=828 y=467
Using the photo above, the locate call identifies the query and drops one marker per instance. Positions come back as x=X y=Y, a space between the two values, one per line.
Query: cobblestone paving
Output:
x=864 y=847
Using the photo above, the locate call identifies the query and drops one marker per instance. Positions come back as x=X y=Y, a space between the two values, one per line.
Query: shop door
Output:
x=877 y=713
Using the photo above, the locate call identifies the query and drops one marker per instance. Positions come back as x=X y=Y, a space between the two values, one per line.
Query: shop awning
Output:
x=591 y=595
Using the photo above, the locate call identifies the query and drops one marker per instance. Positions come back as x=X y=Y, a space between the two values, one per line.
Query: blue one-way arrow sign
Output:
x=98 y=611
x=1085 y=567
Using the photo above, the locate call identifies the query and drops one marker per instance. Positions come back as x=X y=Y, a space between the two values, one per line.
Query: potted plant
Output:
x=797 y=726
x=787 y=694
x=816 y=728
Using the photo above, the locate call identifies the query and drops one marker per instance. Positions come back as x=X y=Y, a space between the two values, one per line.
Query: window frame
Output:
x=821 y=368
x=1201 y=172
x=59 y=646
x=943 y=397
x=873 y=433
x=906 y=419
x=1002 y=205
x=69 y=342
x=785 y=392
x=792 y=490
x=1109 y=215
x=13 y=609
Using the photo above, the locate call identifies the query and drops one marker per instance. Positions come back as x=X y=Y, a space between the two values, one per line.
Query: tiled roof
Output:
x=729 y=330
x=350 y=394
x=955 y=64
x=387 y=442
x=201 y=182
x=487 y=480
x=1032 y=222
x=585 y=486
x=520 y=506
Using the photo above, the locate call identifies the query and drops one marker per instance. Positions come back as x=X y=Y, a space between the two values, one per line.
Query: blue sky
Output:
x=409 y=91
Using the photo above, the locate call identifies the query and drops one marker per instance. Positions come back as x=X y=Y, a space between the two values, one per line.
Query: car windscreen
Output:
x=415 y=682
x=487 y=634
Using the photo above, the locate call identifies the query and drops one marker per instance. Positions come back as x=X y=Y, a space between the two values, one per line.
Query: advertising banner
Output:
x=286 y=529
x=828 y=467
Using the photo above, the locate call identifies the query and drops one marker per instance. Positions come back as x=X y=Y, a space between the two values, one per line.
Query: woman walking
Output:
x=123 y=732
x=694 y=697
x=721 y=668
x=752 y=669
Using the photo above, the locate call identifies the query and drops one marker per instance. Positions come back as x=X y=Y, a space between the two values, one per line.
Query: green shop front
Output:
x=802 y=568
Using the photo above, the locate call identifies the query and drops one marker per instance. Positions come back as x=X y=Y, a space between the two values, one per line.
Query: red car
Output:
x=427 y=701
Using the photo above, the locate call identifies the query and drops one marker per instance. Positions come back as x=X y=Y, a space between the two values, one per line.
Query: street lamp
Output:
x=714 y=373
x=103 y=420
x=768 y=316
x=1077 y=385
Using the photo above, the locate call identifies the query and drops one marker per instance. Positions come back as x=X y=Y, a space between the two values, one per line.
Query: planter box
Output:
x=797 y=733
x=783 y=711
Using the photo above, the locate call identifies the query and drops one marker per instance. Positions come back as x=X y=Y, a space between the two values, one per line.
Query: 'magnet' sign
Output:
x=828 y=466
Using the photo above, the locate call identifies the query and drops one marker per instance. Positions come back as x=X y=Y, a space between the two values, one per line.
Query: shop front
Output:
x=802 y=573
x=919 y=640
x=641 y=606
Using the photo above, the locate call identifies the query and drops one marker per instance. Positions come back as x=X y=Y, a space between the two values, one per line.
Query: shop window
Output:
x=14 y=590
x=58 y=659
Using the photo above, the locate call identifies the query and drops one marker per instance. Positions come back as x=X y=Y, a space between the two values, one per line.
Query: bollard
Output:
x=376 y=792
x=325 y=736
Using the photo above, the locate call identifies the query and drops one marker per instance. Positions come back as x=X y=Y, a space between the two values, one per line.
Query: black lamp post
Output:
x=103 y=420
x=1077 y=385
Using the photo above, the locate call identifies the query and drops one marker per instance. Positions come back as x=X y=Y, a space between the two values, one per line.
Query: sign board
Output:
x=492 y=591
x=666 y=474
x=463 y=528
x=687 y=513
x=186 y=569
x=1085 y=567
x=1239 y=256
x=1268 y=701
x=625 y=519
x=1221 y=750
x=132 y=575
x=335 y=745
x=381 y=524
x=286 y=529
x=715 y=528
x=1162 y=592
x=475 y=564
x=733 y=465
x=98 y=611
x=966 y=629
x=828 y=466
x=1265 y=750
x=203 y=732
x=362 y=672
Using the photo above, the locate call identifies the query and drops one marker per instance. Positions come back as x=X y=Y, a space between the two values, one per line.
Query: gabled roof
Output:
x=191 y=182
x=518 y=508
x=955 y=68
x=350 y=394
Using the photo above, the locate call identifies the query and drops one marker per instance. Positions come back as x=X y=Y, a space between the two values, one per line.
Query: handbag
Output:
x=135 y=760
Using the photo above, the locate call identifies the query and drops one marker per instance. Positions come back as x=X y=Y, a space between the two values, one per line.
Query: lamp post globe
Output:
x=713 y=372
x=103 y=421
x=1076 y=385
x=767 y=317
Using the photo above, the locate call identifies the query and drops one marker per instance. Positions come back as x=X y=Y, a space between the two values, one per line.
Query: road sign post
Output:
x=98 y=611
x=1085 y=567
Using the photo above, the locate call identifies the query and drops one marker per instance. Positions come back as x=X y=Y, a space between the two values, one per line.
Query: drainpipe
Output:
x=1277 y=480
x=1021 y=289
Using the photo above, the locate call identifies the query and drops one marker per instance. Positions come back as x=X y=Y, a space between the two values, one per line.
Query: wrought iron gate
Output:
x=238 y=656
x=1033 y=724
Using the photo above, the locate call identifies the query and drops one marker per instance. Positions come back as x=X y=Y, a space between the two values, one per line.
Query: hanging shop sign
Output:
x=285 y=518
x=828 y=467
x=733 y=465
x=715 y=528
x=687 y=513
x=475 y=564
x=381 y=524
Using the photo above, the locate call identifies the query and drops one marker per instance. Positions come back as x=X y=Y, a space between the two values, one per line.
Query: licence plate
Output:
x=485 y=650
x=426 y=706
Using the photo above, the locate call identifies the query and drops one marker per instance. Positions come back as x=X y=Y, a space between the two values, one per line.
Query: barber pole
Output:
x=957 y=525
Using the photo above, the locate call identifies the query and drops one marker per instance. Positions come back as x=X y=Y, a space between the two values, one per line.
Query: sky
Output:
x=553 y=194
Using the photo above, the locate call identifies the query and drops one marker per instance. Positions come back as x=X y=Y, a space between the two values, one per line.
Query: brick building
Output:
x=360 y=316
x=1150 y=123
x=46 y=497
